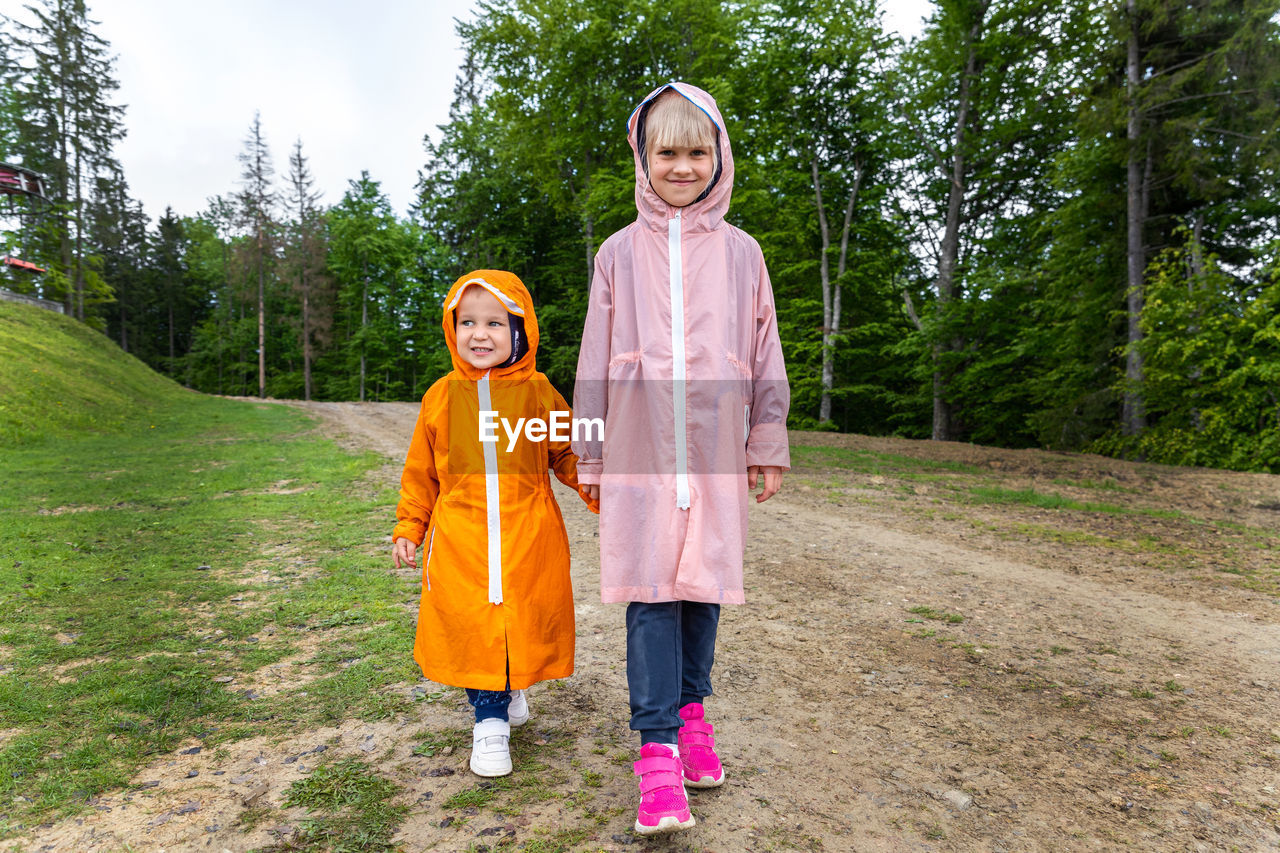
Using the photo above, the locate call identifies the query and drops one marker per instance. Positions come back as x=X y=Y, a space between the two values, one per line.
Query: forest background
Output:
x=1037 y=224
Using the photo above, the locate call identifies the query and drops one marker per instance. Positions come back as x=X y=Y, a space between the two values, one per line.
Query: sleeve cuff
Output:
x=411 y=530
x=589 y=471
x=768 y=446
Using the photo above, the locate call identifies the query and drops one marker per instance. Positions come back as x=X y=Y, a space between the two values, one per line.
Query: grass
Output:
x=59 y=377
x=353 y=809
x=873 y=463
x=153 y=562
x=941 y=615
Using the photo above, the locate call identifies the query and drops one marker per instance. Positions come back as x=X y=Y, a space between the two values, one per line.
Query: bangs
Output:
x=674 y=121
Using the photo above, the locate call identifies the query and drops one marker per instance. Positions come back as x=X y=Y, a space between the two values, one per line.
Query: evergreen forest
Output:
x=1037 y=224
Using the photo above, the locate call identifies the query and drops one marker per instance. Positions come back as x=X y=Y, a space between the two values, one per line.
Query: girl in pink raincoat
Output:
x=681 y=359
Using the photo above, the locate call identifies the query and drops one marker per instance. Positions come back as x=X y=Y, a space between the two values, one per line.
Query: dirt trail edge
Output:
x=913 y=671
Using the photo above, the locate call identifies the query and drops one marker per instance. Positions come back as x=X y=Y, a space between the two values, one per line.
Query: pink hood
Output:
x=706 y=213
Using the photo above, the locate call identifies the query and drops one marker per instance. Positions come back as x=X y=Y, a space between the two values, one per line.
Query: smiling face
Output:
x=679 y=148
x=483 y=328
x=679 y=173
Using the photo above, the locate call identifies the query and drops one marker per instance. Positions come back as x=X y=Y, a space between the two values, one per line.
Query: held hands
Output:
x=772 y=480
x=404 y=552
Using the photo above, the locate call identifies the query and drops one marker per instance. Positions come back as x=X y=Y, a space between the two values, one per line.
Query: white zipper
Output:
x=491 y=499
x=676 y=260
x=426 y=567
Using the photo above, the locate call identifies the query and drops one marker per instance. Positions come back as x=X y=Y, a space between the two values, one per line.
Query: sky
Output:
x=361 y=84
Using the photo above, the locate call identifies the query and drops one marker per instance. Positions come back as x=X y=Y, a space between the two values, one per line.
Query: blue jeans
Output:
x=671 y=646
x=489 y=703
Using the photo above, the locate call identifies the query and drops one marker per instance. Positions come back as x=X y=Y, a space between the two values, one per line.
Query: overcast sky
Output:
x=360 y=83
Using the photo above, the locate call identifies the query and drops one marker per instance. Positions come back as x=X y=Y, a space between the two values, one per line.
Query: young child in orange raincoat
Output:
x=497 y=607
x=681 y=358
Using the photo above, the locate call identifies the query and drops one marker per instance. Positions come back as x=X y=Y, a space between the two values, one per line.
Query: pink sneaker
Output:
x=664 y=806
x=698 y=749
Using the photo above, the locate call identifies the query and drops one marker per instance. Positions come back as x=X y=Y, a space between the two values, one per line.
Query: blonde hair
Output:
x=675 y=121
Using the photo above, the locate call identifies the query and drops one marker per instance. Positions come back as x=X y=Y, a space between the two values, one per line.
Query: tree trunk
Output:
x=1133 y=417
x=262 y=319
x=828 y=353
x=306 y=337
x=824 y=275
x=364 y=321
x=947 y=287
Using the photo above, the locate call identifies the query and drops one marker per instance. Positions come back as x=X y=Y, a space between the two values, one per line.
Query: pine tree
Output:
x=306 y=259
x=256 y=208
x=66 y=129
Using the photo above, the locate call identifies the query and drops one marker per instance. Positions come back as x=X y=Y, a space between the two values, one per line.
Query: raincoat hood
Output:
x=511 y=292
x=708 y=212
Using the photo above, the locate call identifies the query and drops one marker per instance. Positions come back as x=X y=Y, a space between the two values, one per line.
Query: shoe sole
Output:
x=489 y=773
x=666 y=824
x=704 y=782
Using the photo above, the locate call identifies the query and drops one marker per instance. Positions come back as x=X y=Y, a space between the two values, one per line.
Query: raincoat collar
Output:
x=706 y=213
x=511 y=292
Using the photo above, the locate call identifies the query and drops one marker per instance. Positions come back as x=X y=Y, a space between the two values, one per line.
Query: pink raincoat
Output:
x=681 y=358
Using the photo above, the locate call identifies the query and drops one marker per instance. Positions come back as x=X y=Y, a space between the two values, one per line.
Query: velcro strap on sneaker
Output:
x=688 y=739
x=656 y=764
x=697 y=726
x=660 y=779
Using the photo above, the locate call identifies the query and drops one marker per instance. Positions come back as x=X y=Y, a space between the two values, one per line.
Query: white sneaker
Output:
x=518 y=710
x=490 y=748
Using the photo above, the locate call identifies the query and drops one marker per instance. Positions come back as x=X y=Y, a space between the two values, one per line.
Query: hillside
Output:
x=58 y=376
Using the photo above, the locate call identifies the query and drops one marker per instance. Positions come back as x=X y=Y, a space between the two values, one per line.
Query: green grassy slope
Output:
x=59 y=377
x=160 y=547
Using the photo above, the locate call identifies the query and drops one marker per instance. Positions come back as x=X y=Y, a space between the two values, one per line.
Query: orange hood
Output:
x=511 y=292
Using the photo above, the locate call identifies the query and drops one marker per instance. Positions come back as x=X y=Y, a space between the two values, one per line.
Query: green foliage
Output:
x=1212 y=354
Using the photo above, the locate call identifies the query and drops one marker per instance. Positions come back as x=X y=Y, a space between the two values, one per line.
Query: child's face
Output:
x=679 y=174
x=483 y=328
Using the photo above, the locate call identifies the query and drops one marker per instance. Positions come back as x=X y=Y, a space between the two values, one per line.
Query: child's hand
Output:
x=772 y=480
x=404 y=552
x=592 y=491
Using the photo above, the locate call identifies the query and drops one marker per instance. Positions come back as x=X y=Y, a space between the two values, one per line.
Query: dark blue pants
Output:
x=671 y=646
x=489 y=703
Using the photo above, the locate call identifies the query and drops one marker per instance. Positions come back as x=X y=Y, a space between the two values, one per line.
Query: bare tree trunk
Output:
x=364 y=321
x=948 y=289
x=830 y=291
x=1133 y=417
x=78 y=280
x=828 y=361
x=824 y=273
x=306 y=337
x=262 y=320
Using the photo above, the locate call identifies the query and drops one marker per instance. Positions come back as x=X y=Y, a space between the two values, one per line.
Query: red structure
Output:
x=15 y=180
x=20 y=264
x=22 y=184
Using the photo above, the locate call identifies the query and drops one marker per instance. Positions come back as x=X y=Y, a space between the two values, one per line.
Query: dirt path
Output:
x=913 y=672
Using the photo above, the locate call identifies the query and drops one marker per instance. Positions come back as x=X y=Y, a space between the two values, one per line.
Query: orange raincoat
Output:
x=496 y=598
